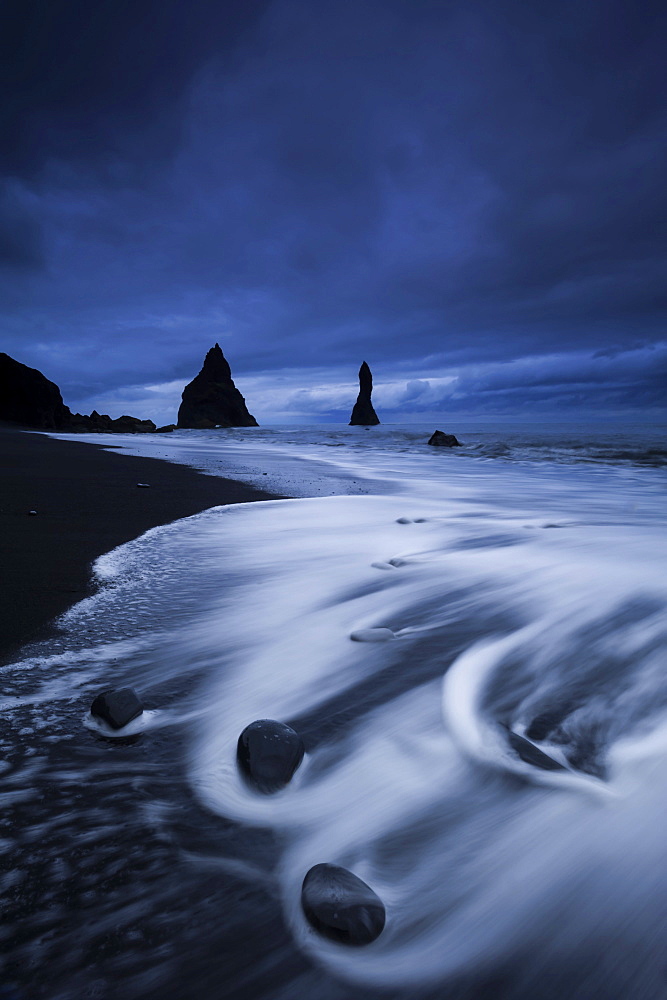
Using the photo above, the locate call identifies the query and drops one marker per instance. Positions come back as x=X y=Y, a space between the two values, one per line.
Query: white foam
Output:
x=491 y=620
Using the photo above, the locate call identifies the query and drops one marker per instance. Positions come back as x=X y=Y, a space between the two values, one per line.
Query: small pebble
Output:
x=144 y=486
x=404 y=520
x=32 y=513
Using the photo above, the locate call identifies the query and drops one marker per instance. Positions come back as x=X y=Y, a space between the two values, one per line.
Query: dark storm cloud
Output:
x=424 y=184
x=20 y=234
x=92 y=81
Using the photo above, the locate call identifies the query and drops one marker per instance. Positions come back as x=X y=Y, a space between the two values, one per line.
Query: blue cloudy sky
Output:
x=470 y=195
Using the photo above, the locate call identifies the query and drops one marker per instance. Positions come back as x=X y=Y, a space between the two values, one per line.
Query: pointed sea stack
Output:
x=363 y=414
x=212 y=399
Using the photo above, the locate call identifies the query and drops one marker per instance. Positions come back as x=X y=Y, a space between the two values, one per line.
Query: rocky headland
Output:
x=29 y=399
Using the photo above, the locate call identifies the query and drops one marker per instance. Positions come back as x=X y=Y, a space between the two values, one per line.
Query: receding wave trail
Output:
x=473 y=863
x=515 y=603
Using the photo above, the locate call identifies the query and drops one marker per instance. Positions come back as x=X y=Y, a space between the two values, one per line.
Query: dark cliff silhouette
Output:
x=212 y=399
x=29 y=399
x=363 y=413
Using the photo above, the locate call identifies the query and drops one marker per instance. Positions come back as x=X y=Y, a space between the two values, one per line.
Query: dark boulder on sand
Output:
x=268 y=754
x=439 y=439
x=340 y=906
x=28 y=398
x=117 y=707
x=363 y=414
x=212 y=399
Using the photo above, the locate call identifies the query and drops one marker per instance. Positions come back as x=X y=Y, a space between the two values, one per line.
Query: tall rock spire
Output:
x=212 y=399
x=363 y=413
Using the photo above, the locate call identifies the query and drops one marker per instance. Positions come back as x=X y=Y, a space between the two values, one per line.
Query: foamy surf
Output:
x=403 y=635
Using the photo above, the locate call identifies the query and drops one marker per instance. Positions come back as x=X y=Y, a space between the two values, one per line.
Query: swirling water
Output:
x=525 y=587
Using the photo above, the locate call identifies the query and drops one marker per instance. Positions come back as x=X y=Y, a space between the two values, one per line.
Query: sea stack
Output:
x=212 y=399
x=363 y=414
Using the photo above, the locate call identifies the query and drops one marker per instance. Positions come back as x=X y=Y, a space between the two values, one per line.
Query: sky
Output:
x=469 y=195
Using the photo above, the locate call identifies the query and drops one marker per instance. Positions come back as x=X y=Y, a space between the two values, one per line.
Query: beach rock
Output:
x=372 y=635
x=132 y=425
x=96 y=422
x=117 y=707
x=587 y=755
x=531 y=754
x=439 y=439
x=268 y=754
x=211 y=399
x=144 y=486
x=363 y=414
x=28 y=398
x=32 y=513
x=545 y=723
x=340 y=906
x=166 y=429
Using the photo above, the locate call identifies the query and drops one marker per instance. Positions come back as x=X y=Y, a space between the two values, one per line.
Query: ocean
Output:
x=521 y=584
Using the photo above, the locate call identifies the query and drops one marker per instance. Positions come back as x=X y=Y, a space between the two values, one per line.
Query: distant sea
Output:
x=522 y=578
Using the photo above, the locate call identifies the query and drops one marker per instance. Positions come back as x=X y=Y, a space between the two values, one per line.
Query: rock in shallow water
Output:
x=340 y=906
x=117 y=707
x=372 y=635
x=439 y=439
x=531 y=754
x=268 y=754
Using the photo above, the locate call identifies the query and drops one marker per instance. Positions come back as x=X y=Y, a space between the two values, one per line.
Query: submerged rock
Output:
x=117 y=707
x=531 y=754
x=363 y=414
x=548 y=724
x=268 y=754
x=439 y=439
x=372 y=635
x=587 y=755
x=211 y=399
x=340 y=906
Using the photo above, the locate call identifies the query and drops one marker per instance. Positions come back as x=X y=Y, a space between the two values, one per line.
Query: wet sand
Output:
x=87 y=502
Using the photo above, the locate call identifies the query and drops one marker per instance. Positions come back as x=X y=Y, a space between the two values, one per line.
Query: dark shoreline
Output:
x=87 y=502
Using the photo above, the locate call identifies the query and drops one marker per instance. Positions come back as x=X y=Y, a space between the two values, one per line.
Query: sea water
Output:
x=517 y=578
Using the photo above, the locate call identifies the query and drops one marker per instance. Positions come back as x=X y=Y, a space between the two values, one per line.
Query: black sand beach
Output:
x=87 y=502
